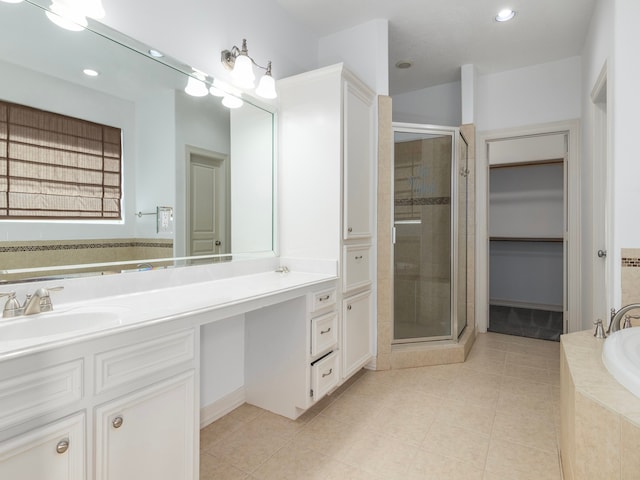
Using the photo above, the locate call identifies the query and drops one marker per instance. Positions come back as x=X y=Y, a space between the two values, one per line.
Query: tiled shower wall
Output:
x=36 y=254
x=630 y=276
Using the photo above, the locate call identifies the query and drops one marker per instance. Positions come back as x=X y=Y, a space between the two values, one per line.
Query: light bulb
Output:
x=505 y=14
x=242 y=73
x=65 y=16
x=230 y=101
x=267 y=87
x=195 y=85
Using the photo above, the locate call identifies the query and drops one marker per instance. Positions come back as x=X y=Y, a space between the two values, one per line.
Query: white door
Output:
x=54 y=452
x=207 y=215
x=149 y=434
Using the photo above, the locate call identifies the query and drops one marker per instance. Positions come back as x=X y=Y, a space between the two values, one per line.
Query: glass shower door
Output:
x=422 y=234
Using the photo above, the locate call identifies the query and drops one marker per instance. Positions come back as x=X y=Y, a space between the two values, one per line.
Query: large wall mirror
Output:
x=213 y=167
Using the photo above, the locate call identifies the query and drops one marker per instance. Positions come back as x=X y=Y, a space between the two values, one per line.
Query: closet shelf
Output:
x=527 y=239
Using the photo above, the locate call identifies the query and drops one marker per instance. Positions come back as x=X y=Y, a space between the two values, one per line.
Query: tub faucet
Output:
x=616 y=317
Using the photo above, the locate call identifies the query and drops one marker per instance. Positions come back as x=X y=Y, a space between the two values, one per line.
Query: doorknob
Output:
x=602 y=253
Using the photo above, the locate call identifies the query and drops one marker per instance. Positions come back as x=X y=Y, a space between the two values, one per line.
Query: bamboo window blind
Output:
x=57 y=167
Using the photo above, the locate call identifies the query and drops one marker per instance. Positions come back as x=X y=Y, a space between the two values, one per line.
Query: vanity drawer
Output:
x=38 y=391
x=324 y=333
x=136 y=362
x=324 y=375
x=356 y=267
x=321 y=300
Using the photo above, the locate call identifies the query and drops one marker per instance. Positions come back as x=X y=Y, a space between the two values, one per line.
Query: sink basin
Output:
x=54 y=323
x=621 y=356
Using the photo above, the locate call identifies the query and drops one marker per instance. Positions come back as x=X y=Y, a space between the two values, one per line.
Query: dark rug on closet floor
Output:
x=525 y=322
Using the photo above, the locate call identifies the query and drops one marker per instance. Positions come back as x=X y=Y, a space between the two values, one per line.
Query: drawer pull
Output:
x=358 y=257
x=328 y=373
x=62 y=446
x=117 y=422
x=322 y=332
x=324 y=298
x=349 y=307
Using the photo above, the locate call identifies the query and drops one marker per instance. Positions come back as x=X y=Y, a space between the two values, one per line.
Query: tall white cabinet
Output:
x=326 y=193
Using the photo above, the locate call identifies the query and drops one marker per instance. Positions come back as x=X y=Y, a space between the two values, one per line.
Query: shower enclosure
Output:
x=429 y=233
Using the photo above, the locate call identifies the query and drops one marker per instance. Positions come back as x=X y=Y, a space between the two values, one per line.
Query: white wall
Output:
x=154 y=160
x=364 y=49
x=439 y=105
x=598 y=50
x=544 y=93
x=626 y=105
x=252 y=194
x=196 y=31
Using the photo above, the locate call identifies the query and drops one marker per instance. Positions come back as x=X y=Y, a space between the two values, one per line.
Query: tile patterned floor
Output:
x=495 y=417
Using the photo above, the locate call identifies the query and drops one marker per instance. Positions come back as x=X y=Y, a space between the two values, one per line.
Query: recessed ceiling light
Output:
x=505 y=15
x=89 y=72
x=403 y=64
x=155 y=53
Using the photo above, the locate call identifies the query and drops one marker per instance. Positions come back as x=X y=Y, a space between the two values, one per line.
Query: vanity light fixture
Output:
x=72 y=14
x=196 y=86
x=241 y=65
x=505 y=15
x=230 y=101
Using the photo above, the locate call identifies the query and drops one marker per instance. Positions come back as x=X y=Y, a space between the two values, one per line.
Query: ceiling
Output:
x=438 y=36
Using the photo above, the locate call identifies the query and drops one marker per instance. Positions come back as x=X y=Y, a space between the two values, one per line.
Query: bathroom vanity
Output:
x=121 y=400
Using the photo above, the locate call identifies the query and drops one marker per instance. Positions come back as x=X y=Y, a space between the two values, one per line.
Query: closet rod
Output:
x=527 y=239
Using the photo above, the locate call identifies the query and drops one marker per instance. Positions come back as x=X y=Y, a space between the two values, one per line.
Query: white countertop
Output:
x=221 y=298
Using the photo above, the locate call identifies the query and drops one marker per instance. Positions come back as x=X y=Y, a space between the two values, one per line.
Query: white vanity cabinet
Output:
x=54 y=452
x=327 y=177
x=119 y=407
x=147 y=434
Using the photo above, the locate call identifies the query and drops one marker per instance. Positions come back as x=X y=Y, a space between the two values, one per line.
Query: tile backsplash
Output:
x=51 y=253
x=630 y=275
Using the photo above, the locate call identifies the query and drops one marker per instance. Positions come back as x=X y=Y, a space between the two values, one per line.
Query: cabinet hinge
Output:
x=311 y=393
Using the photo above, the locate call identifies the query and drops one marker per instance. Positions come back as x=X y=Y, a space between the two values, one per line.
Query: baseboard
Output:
x=221 y=407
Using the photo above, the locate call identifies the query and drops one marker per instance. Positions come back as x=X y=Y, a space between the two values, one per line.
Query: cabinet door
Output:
x=358 y=162
x=149 y=434
x=356 y=332
x=53 y=452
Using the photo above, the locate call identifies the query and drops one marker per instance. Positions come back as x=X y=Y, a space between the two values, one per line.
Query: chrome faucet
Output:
x=39 y=302
x=616 y=317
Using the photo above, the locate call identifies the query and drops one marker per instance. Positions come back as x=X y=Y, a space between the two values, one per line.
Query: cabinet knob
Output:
x=350 y=229
x=117 y=422
x=62 y=446
x=349 y=307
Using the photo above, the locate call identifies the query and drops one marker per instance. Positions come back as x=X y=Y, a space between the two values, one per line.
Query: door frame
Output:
x=224 y=161
x=573 y=282
x=601 y=149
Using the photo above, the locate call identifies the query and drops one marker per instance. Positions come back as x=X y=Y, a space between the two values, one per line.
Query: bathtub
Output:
x=621 y=357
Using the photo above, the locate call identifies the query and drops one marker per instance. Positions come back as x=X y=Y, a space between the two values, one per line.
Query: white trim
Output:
x=221 y=407
x=573 y=318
